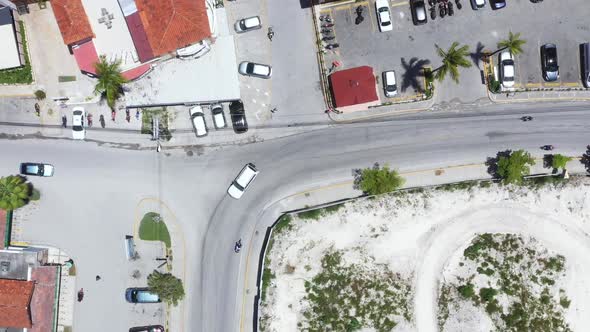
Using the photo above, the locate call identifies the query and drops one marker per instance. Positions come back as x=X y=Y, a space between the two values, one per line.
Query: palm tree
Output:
x=451 y=61
x=14 y=192
x=110 y=80
x=513 y=44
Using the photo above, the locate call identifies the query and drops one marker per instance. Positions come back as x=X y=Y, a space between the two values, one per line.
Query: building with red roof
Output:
x=354 y=86
x=15 y=302
x=133 y=32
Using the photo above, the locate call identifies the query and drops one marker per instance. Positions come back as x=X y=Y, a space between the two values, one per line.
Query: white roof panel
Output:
x=9 y=57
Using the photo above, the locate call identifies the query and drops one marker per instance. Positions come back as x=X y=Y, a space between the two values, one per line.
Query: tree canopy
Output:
x=513 y=44
x=514 y=167
x=559 y=161
x=452 y=59
x=167 y=286
x=14 y=192
x=110 y=80
x=378 y=180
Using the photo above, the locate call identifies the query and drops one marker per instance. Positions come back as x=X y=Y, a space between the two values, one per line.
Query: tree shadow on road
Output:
x=413 y=71
x=585 y=160
x=492 y=163
x=476 y=56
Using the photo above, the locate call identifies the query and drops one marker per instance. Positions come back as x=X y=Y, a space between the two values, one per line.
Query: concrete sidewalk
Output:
x=540 y=94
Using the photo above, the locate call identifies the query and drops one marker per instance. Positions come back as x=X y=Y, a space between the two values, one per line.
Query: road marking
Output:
x=572 y=84
x=399 y=4
x=553 y=84
x=345 y=7
x=533 y=85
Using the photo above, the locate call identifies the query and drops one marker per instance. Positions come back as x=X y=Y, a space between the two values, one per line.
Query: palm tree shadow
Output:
x=413 y=70
x=477 y=55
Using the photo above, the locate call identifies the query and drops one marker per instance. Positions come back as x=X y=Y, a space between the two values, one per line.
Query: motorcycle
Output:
x=526 y=118
x=332 y=46
x=326 y=19
x=327 y=25
x=442 y=10
x=270 y=33
x=101 y=120
x=432 y=13
x=547 y=147
x=238 y=246
x=450 y=10
x=326 y=31
x=459 y=5
x=326 y=38
x=64 y=121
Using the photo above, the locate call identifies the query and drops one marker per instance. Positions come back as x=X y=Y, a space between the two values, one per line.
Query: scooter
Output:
x=326 y=31
x=450 y=10
x=327 y=25
x=442 y=10
x=238 y=246
x=326 y=38
x=526 y=118
x=332 y=46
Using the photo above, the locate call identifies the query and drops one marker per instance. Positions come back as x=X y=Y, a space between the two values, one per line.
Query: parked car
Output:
x=78 y=127
x=238 y=117
x=389 y=83
x=549 y=62
x=248 y=24
x=150 y=328
x=198 y=120
x=255 y=69
x=141 y=295
x=383 y=15
x=218 y=116
x=507 y=69
x=498 y=4
x=242 y=181
x=36 y=169
x=478 y=4
x=418 y=12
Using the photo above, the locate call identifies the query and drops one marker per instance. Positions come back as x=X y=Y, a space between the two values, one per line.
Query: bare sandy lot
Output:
x=414 y=243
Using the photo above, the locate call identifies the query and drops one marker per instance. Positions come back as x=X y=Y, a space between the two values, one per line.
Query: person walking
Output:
x=98 y=277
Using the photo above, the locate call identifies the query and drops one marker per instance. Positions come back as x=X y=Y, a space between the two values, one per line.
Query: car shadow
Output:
x=413 y=71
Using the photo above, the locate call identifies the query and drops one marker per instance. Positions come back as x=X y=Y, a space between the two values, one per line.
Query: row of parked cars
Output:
x=248 y=68
x=549 y=65
x=237 y=116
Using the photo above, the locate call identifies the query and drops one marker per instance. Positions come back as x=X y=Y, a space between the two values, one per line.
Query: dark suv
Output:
x=238 y=117
x=549 y=62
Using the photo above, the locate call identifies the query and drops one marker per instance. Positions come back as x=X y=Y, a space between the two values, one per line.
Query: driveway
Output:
x=408 y=46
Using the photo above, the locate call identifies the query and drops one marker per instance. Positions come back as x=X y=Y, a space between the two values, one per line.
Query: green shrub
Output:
x=311 y=214
x=487 y=294
x=466 y=290
x=40 y=94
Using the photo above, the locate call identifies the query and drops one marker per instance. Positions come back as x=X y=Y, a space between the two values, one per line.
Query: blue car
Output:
x=498 y=4
x=141 y=295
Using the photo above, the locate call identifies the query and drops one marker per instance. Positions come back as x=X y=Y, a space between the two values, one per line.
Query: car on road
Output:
x=507 y=69
x=383 y=15
x=78 y=128
x=549 y=62
x=418 y=12
x=259 y=70
x=238 y=117
x=248 y=24
x=218 y=116
x=150 y=328
x=36 y=169
x=585 y=64
x=242 y=181
x=478 y=4
x=389 y=83
x=141 y=295
x=198 y=120
x=498 y=4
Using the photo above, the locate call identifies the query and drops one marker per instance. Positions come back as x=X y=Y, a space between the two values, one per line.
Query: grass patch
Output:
x=284 y=223
x=267 y=277
x=346 y=298
x=318 y=213
x=146 y=122
x=153 y=228
x=22 y=75
x=64 y=79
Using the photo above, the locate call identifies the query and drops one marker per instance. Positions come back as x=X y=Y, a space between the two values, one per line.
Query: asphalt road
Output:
x=88 y=206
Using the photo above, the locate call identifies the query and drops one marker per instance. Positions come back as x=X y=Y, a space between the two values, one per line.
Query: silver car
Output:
x=248 y=24
x=389 y=83
x=248 y=68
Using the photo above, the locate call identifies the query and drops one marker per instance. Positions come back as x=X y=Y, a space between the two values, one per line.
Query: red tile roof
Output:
x=72 y=20
x=139 y=37
x=15 y=298
x=43 y=300
x=354 y=86
x=173 y=24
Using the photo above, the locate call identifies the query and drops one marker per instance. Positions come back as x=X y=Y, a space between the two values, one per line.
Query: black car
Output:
x=418 y=12
x=549 y=62
x=498 y=4
x=238 y=117
x=36 y=169
x=150 y=328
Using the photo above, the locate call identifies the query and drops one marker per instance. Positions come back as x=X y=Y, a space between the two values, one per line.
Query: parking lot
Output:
x=409 y=47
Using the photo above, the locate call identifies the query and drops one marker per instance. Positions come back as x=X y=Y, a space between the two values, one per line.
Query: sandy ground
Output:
x=418 y=235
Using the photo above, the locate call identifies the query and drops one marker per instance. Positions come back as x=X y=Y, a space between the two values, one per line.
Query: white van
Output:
x=198 y=120
x=242 y=181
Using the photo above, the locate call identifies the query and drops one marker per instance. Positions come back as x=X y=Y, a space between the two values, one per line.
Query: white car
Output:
x=383 y=15
x=255 y=69
x=478 y=4
x=507 y=69
x=78 y=128
x=198 y=120
x=242 y=181
x=218 y=116
x=389 y=83
x=248 y=24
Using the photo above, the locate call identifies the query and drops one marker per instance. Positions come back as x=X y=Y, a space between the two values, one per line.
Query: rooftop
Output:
x=15 y=299
x=9 y=57
x=15 y=262
x=354 y=86
x=72 y=20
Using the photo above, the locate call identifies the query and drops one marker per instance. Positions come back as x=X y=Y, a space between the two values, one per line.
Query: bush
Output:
x=512 y=168
x=378 y=180
x=40 y=94
x=487 y=294
x=559 y=161
x=167 y=286
x=311 y=214
x=466 y=291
